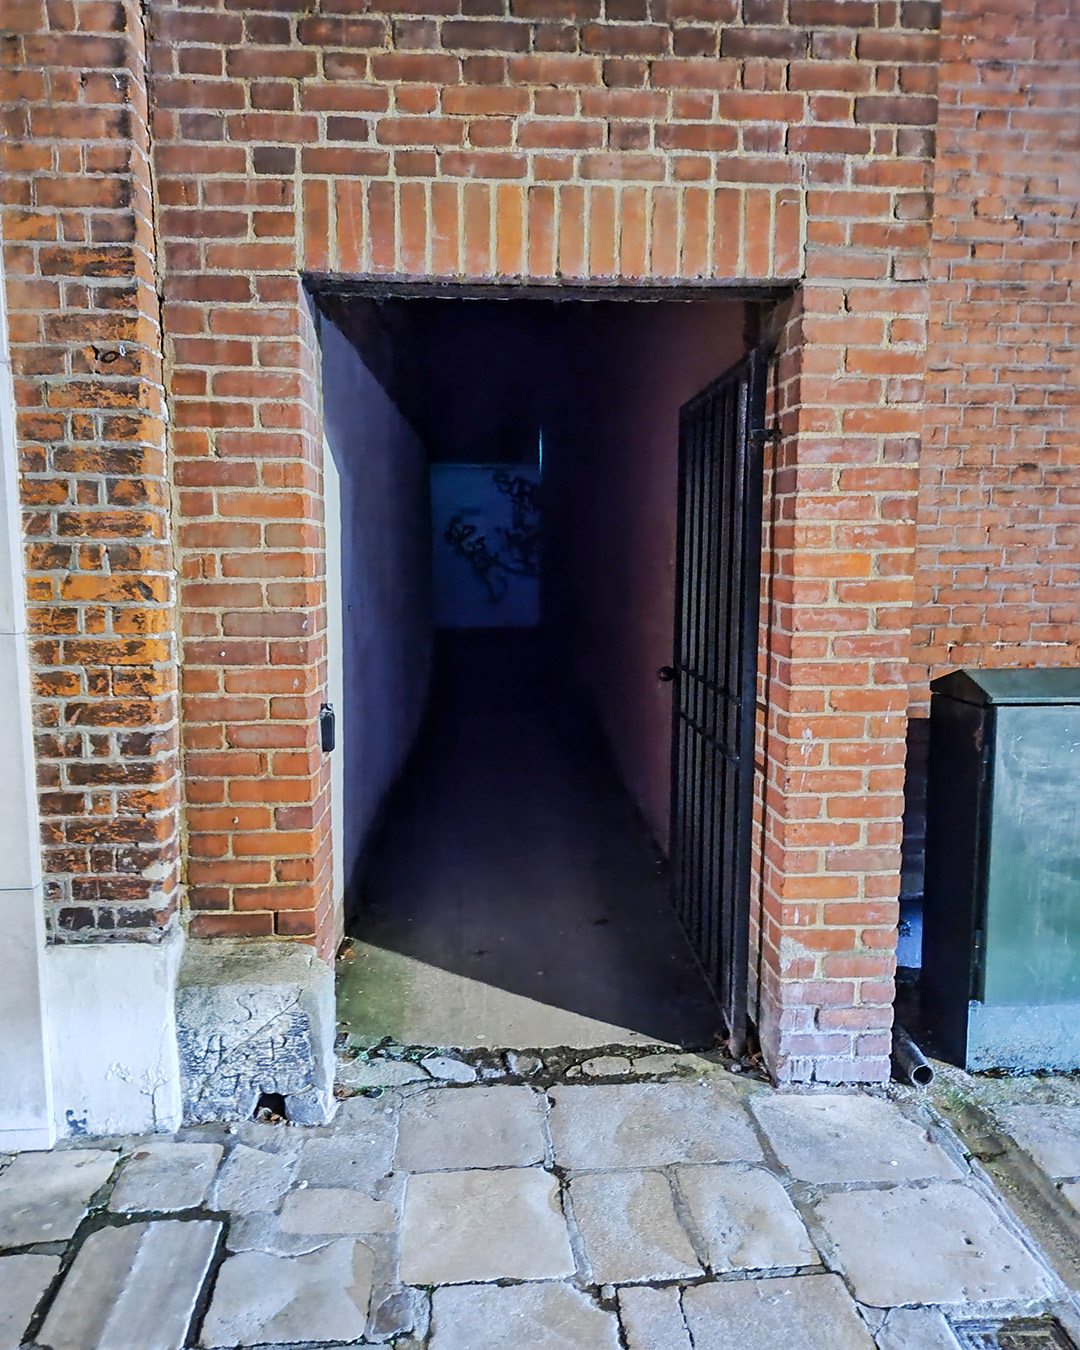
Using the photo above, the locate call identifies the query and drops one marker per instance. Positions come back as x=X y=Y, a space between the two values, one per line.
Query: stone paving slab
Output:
x=358 y=1160
x=652 y=1319
x=252 y=1180
x=132 y=1288
x=327 y=1210
x=23 y=1281
x=607 y=1066
x=450 y=1070
x=808 y=1312
x=834 y=1137
x=483 y=1127
x=745 y=1218
x=540 y=1316
x=272 y=1300
x=380 y=1073
x=674 y=1063
x=461 y=1227
x=163 y=1176
x=943 y=1243
x=370 y=1118
x=649 y=1125
x=261 y=1232
x=398 y=1312
x=630 y=1229
x=916 y=1329
x=270 y=1136
x=1051 y=1134
x=43 y=1196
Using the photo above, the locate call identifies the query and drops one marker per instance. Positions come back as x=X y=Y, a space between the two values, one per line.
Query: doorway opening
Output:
x=502 y=484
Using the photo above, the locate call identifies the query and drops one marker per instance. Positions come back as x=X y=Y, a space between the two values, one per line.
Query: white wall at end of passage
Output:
x=112 y=1020
x=26 y=1110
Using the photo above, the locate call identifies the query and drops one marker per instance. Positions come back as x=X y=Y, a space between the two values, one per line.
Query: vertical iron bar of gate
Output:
x=721 y=435
x=749 y=495
x=680 y=730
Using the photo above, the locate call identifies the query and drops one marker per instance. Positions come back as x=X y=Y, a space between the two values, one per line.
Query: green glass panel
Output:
x=1033 y=896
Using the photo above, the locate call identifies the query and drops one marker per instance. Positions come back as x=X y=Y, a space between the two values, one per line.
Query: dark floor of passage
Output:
x=512 y=855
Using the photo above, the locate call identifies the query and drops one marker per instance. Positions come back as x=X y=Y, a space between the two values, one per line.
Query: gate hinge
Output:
x=760 y=435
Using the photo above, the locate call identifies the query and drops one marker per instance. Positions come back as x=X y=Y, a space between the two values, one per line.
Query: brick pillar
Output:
x=249 y=477
x=86 y=355
x=836 y=641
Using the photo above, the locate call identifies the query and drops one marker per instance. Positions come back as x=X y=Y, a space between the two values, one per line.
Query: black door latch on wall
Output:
x=327 y=727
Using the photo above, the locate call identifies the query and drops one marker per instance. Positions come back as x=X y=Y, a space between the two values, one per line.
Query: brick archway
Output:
x=389 y=176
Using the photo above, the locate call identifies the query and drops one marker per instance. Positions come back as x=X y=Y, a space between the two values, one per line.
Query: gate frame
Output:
x=763 y=302
x=726 y=933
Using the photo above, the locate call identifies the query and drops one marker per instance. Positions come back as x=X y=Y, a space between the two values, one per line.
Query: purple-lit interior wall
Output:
x=614 y=459
x=382 y=520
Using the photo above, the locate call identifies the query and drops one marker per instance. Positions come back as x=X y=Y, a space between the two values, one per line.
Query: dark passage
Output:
x=505 y=882
x=513 y=856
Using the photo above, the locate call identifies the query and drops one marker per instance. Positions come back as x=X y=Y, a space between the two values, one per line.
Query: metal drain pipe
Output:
x=911 y=1065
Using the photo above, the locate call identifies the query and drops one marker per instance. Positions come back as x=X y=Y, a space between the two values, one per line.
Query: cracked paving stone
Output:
x=523 y=1063
x=268 y=1137
x=380 y=1073
x=832 y=1137
x=132 y=1288
x=652 y=1319
x=666 y=1063
x=943 y=1243
x=260 y=1231
x=745 y=1218
x=164 y=1175
x=23 y=1281
x=461 y=1227
x=332 y=1210
x=43 y=1196
x=252 y=1180
x=606 y=1066
x=277 y=1300
x=448 y=1069
x=473 y=1128
x=916 y=1329
x=508 y=1317
x=630 y=1229
x=1051 y=1134
x=807 y=1312
x=649 y=1125
x=400 y=1312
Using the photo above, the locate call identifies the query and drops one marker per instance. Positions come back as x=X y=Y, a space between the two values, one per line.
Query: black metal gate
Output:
x=721 y=436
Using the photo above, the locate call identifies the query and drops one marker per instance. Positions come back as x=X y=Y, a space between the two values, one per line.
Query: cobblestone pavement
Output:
x=655 y=1203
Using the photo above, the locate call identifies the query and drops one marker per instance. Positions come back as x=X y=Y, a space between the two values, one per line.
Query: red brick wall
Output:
x=776 y=140
x=79 y=258
x=998 y=559
x=999 y=502
x=658 y=140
